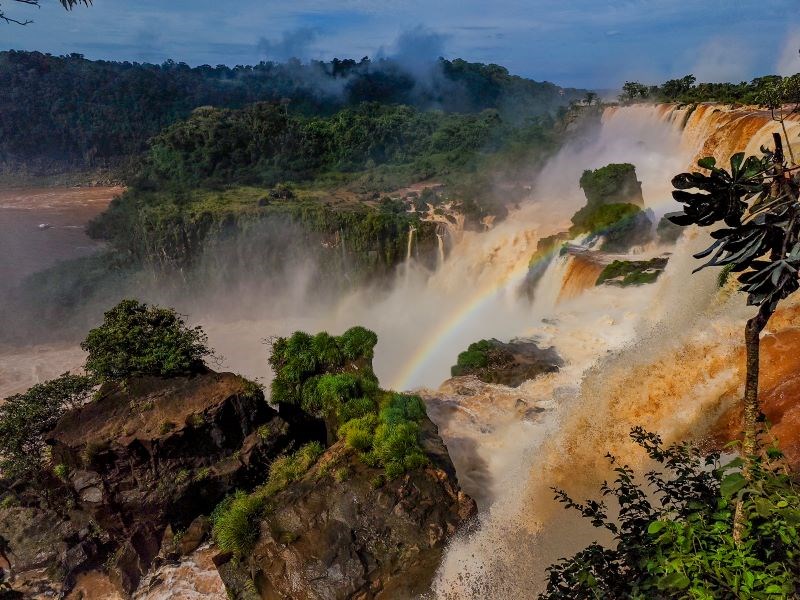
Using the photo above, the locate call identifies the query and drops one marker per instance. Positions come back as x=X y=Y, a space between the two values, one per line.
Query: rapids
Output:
x=655 y=355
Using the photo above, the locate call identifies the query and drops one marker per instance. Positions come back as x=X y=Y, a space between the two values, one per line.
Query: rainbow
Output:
x=438 y=337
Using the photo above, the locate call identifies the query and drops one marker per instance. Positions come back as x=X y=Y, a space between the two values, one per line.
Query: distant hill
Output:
x=66 y=112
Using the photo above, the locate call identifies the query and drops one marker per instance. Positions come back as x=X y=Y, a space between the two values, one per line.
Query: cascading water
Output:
x=440 y=243
x=657 y=356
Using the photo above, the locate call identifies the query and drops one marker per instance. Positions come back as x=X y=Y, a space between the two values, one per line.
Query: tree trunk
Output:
x=752 y=409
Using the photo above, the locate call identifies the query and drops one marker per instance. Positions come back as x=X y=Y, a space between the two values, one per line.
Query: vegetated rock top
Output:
x=512 y=363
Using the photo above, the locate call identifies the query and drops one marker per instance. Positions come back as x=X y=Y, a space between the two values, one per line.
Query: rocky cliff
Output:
x=139 y=462
x=343 y=531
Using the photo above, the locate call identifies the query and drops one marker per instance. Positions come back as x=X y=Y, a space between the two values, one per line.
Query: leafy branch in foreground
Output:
x=675 y=533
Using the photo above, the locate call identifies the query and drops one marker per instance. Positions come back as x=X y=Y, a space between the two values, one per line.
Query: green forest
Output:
x=83 y=114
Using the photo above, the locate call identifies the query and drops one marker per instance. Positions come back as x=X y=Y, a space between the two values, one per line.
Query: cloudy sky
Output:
x=586 y=43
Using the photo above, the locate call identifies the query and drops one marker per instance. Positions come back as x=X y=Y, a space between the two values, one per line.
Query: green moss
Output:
x=61 y=471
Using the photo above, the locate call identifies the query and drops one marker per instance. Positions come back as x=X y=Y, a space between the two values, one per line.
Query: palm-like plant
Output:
x=757 y=204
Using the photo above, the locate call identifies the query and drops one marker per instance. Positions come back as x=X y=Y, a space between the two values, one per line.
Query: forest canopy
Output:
x=70 y=112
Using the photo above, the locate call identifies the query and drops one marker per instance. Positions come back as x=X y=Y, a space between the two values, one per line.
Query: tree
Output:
x=136 y=339
x=633 y=90
x=68 y=4
x=757 y=204
x=782 y=97
x=590 y=98
x=674 y=88
x=26 y=418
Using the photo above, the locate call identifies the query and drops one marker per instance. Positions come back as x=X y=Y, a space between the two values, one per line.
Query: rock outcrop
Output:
x=512 y=363
x=343 y=531
x=140 y=462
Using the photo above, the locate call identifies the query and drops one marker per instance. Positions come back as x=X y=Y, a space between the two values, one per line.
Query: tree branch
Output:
x=67 y=4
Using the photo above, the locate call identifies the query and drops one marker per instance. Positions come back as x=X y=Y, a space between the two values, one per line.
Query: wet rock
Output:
x=343 y=532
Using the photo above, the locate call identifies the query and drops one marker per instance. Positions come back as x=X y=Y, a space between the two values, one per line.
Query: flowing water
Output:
x=656 y=355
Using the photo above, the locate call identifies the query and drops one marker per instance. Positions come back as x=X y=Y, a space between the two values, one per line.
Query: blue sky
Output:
x=586 y=43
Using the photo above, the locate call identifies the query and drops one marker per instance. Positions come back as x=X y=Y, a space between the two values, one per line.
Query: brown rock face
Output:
x=159 y=452
x=341 y=532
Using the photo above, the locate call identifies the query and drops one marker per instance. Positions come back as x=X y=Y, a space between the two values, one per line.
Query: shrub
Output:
x=286 y=469
x=137 y=339
x=391 y=438
x=674 y=535
x=476 y=356
x=359 y=433
x=235 y=522
x=319 y=372
x=26 y=418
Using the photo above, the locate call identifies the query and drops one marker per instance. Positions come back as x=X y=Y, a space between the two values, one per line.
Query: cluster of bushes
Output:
x=331 y=377
x=674 y=536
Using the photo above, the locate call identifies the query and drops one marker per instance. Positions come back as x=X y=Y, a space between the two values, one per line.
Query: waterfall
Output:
x=440 y=239
x=581 y=275
x=410 y=244
x=407 y=263
x=656 y=355
x=345 y=262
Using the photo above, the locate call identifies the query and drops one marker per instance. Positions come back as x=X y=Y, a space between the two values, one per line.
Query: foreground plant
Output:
x=674 y=536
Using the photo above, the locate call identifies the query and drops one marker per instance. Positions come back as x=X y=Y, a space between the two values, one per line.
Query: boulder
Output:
x=343 y=531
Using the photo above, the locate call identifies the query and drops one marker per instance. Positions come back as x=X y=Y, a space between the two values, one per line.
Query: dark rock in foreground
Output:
x=342 y=531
